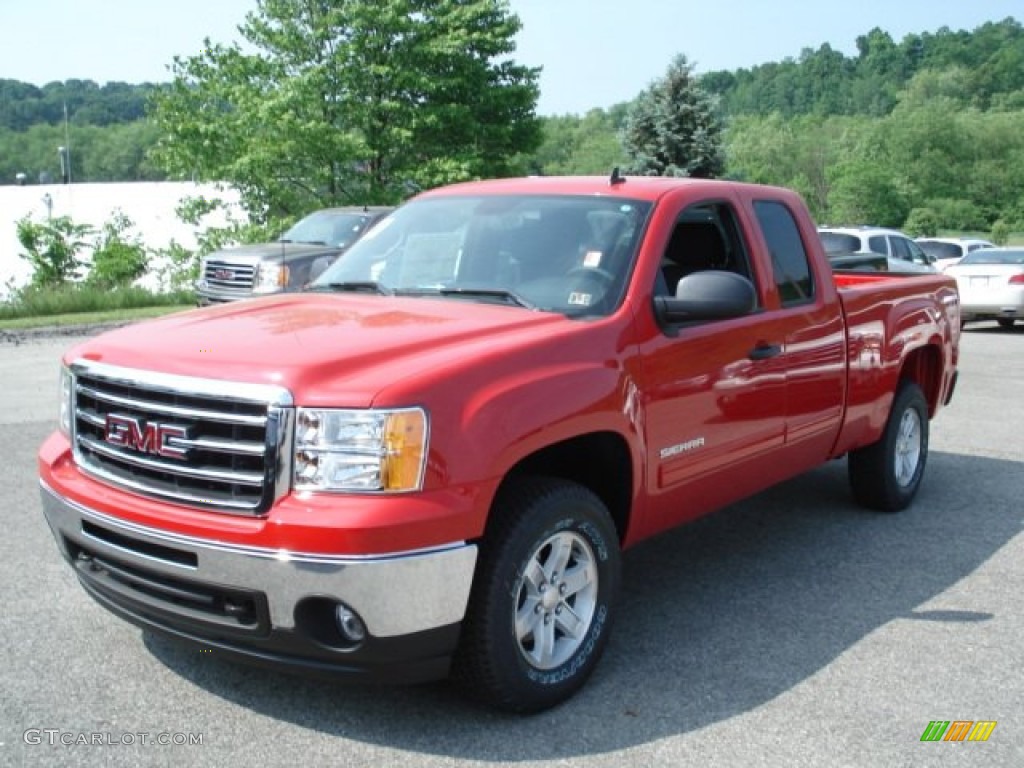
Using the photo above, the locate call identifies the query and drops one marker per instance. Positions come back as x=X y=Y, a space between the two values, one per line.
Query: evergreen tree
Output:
x=673 y=128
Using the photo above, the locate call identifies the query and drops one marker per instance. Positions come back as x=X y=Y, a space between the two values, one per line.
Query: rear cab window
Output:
x=791 y=269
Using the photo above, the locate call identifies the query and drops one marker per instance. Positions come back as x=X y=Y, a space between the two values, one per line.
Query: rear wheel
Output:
x=886 y=475
x=1006 y=322
x=541 y=607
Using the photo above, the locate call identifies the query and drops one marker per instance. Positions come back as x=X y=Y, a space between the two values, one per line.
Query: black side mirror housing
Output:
x=706 y=295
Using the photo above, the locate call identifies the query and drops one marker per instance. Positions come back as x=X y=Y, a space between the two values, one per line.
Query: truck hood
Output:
x=250 y=254
x=325 y=348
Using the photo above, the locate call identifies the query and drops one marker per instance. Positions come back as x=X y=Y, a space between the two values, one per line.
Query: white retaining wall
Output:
x=150 y=205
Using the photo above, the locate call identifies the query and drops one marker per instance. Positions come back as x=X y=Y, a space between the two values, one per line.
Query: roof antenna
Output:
x=616 y=178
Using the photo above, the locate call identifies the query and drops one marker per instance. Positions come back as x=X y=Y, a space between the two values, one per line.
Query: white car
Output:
x=991 y=285
x=947 y=251
x=901 y=252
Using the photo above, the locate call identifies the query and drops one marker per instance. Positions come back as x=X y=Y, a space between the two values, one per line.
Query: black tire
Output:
x=1006 y=322
x=518 y=651
x=885 y=476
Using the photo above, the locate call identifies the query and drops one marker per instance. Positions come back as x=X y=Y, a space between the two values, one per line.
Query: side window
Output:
x=877 y=244
x=790 y=266
x=900 y=249
x=705 y=236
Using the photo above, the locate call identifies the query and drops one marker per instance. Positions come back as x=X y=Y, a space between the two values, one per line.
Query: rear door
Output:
x=809 y=324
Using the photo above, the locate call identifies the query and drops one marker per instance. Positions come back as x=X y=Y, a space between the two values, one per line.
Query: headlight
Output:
x=67 y=389
x=360 y=451
x=270 y=278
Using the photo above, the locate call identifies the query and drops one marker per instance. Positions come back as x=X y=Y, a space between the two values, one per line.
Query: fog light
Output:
x=349 y=624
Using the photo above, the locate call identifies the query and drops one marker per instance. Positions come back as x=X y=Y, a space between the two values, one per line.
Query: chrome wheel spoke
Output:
x=569 y=623
x=544 y=644
x=527 y=618
x=576 y=579
x=534 y=576
x=561 y=551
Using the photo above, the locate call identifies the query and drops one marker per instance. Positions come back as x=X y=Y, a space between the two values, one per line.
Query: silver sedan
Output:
x=991 y=284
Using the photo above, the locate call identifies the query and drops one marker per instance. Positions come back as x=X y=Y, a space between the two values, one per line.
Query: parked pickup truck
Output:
x=430 y=464
x=304 y=251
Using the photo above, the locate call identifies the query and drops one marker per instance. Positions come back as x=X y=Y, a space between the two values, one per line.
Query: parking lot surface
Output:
x=793 y=629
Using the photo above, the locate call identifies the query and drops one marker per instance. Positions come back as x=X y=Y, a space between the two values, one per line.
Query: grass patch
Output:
x=1016 y=238
x=90 y=318
x=85 y=305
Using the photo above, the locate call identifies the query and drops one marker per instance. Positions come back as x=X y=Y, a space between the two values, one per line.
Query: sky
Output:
x=594 y=53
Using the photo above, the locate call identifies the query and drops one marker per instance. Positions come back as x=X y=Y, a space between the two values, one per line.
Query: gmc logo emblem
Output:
x=145 y=437
x=223 y=274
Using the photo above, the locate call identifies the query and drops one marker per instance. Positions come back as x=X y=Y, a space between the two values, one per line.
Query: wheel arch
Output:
x=599 y=461
x=923 y=366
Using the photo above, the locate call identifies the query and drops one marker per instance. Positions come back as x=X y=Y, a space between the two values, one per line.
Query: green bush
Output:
x=118 y=258
x=38 y=301
x=959 y=215
x=53 y=248
x=1000 y=232
x=922 y=222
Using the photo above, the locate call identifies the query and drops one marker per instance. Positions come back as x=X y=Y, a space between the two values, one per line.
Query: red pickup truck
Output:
x=430 y=463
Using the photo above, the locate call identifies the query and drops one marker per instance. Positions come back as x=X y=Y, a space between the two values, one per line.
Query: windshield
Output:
x=337 y=228
x=557 y=253
x=940 y=250
x=993 y=256
x=836 y=242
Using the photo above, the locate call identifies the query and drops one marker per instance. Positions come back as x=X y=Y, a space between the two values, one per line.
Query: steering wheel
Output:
x=605 y=276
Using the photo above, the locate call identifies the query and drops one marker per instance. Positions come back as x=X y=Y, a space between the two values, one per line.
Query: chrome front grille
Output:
x=228 y=275
x=200 y=442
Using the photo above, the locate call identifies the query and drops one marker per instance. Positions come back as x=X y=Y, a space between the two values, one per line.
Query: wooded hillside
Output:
x=925 y=129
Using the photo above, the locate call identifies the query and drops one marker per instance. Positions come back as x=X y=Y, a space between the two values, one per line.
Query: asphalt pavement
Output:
x=793 y=629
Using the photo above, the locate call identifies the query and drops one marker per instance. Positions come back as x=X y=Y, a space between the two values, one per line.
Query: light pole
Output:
x=65 y=164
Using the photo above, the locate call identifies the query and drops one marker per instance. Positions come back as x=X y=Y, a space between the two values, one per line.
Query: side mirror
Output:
x=707 y=295
x=318 y=268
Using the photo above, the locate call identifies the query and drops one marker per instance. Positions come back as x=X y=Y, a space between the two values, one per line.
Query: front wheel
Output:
x=886 y=474
x=1006 y=322
x=543 y=597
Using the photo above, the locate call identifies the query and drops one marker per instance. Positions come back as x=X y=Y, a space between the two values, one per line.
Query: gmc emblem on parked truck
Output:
x=145 y=436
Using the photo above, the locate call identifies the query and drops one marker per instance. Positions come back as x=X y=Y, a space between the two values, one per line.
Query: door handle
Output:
x=765 y=351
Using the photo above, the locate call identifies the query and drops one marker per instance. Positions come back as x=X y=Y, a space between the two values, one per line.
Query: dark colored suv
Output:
x=302 y=253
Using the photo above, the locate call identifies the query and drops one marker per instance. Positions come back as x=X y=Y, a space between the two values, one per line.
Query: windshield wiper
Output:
x=509 y=297
x=364 y=286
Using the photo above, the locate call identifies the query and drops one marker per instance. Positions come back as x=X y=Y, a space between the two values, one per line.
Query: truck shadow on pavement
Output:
x=715 y=619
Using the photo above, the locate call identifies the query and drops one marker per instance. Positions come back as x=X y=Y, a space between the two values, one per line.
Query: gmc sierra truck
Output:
x=429 y=463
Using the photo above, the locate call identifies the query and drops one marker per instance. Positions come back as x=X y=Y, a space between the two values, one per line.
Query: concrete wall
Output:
x=150 y=205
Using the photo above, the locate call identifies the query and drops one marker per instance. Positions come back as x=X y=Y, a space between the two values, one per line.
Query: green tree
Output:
x=580 y=145
x=673 y=128
x=867 y=192
x=351 y=101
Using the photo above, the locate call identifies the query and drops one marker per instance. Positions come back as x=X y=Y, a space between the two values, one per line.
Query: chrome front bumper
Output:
x=400 y=595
